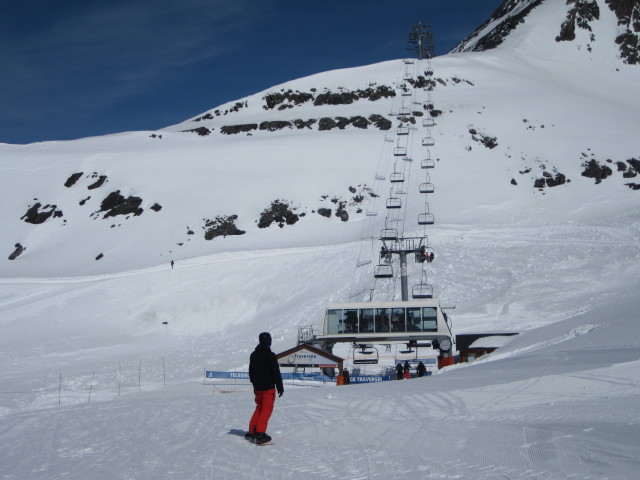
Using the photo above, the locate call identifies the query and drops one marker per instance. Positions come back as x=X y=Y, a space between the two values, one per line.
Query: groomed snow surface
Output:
x=559 y=401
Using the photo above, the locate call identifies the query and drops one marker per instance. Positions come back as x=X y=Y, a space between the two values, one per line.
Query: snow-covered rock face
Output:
x=580 y=14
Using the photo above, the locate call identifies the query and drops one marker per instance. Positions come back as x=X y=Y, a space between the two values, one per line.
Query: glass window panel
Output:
x=366 y=320
x=414 y=319
x=397 y=320
x=429 y=319
x=351 y=321
x=334 y=322
x=383 y=320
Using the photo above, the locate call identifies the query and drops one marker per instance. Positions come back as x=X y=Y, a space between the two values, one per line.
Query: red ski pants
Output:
x=264 y=407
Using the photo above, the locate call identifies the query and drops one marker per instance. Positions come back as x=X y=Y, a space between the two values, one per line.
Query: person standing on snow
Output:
x=407 y=370
x=421 y=369
x=264 y=374
x=399 y=372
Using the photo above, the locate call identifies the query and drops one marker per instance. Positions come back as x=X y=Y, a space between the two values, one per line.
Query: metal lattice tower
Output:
x=421 y=41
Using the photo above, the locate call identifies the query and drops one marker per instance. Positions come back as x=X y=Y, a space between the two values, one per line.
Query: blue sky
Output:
x=73 y=69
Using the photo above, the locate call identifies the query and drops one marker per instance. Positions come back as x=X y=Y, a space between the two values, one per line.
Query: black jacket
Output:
x=264 y=371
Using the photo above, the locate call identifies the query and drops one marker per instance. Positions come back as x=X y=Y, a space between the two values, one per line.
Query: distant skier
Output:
x=407 y=370
x=171 y=264
x=264 y=374
x=421 y=369
x=399 y=371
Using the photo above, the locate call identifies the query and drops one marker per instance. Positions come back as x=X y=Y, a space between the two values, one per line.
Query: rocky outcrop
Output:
x=233 y=129
x=17 y=252
x=71 y=181
x=221 y=226
x=487 y=141
x=628 y=40
x=592 y=169
x=37 y=214
x=202 y=131
x=506 y=21
x=115 y=204
x=580 y=14
x=98 y=183
x=279 y=212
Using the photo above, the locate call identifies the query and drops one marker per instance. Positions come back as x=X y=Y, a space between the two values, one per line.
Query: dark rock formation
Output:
x=634 y=163
x=98 y=183
x=505 y=23
x=325 y=212
x=295 y=98
x=202 y=131
x=342 y=213
x=300 y=124
x=156 y=207
x=100 y=255
x=221 y=227
x=280 y=213
x=115 y=204
x=206 y=116
x=489 y=142
x=274 y=125
x=233 y=129
x=633 y=186
x=71 y=181
x=596 y=171
x=581 y=13
x=36 y=216
x=16 y=253
x=380 y=122
x=628 y=13
x=326 y=123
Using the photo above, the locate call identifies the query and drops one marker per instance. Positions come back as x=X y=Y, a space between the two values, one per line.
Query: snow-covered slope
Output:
x=550 y=107
x=91 y=304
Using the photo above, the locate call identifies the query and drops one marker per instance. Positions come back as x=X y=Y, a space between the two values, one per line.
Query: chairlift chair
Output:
x=408 y=61
x=396 y=177
x=400 y=151
x=427 y=163
x=428 y=72
x=404 y=111
x=426 y=218
x=383 y=270
x=427 y=187
x=389 y=234
x=428 y=122
x=428 y=142
x=402 y=130
x=394 y=202
x=422 y=290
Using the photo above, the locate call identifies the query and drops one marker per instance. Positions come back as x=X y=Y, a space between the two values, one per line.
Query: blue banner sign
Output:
x=315 y=377
x=369 y=378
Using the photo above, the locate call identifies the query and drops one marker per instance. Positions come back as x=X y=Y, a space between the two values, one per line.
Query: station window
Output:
x=414 y=319
x=383 y=324
x=397 y=320
x=351 y=320
x=429 y=319
x=366 y=320
x=334 y=322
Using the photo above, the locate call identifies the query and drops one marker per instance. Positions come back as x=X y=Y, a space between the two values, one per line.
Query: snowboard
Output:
x=242 y=433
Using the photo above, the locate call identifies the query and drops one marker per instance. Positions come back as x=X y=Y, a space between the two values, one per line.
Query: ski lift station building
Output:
x=418 y=323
